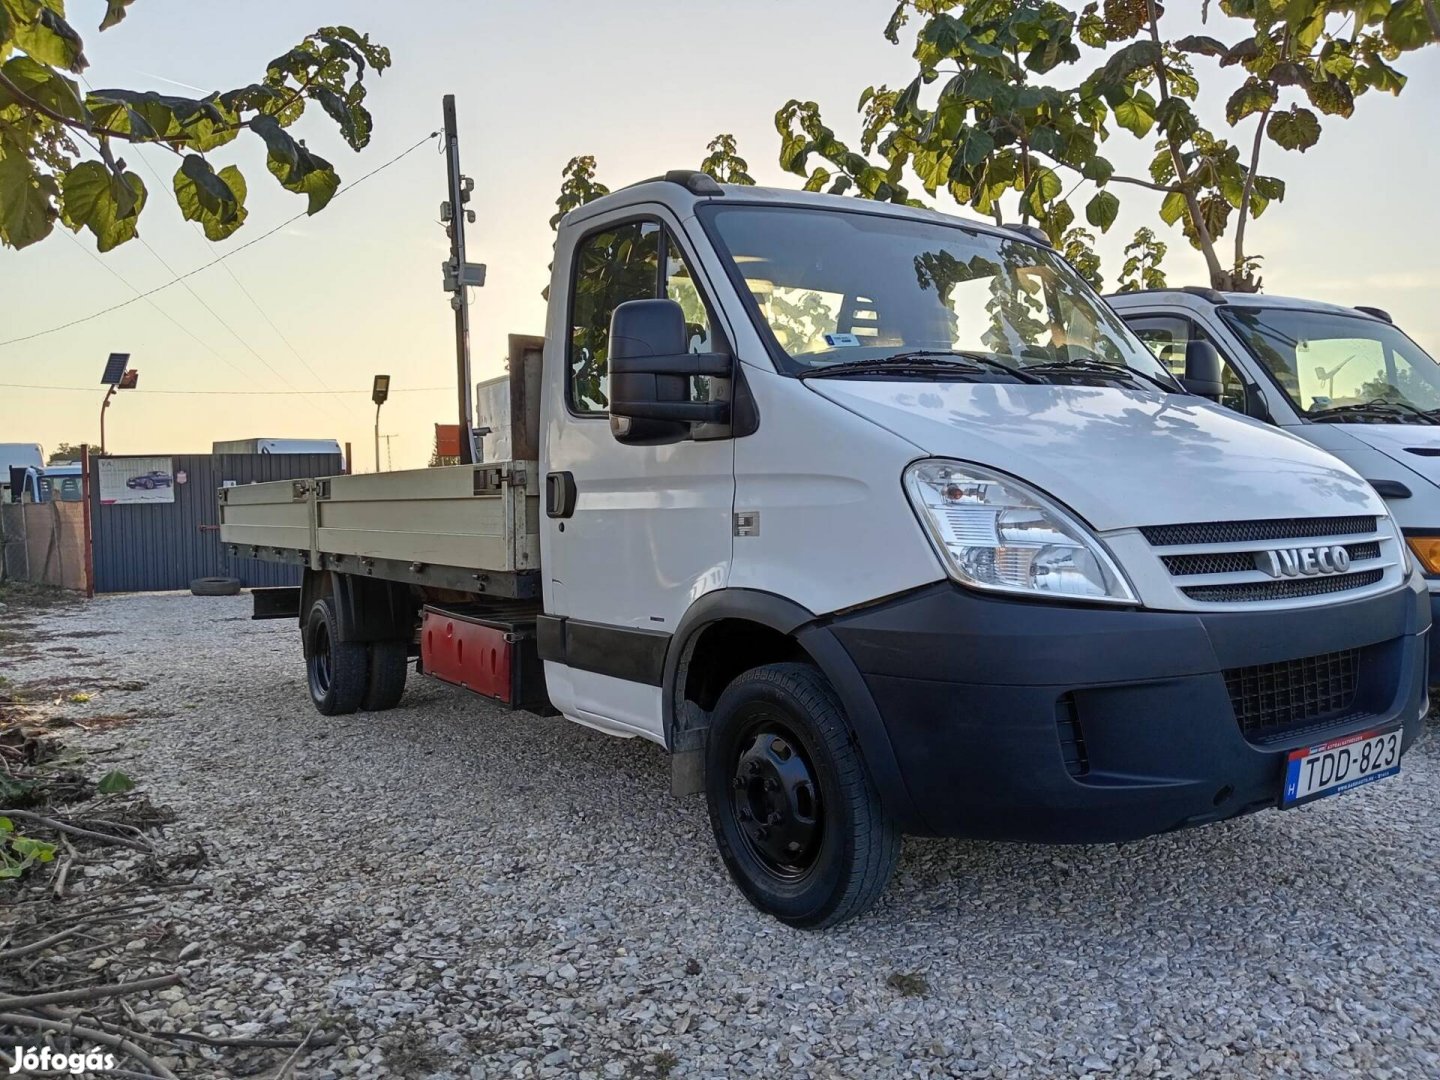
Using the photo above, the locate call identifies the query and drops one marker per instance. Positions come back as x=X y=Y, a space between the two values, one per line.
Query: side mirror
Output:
x=650 y=372
x=1202 y=369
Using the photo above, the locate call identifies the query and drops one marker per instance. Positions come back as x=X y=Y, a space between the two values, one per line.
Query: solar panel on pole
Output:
x=114 y=368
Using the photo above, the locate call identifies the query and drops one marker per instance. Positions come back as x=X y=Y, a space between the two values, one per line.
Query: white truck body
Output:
x=880 y=522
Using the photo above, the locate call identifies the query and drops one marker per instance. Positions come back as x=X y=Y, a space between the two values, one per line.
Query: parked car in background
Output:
x=155 y=478
x=20 y=457
x=1345 y=379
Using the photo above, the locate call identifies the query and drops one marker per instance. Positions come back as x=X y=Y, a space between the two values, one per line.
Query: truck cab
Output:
x=881 y=522
x=1345 y=379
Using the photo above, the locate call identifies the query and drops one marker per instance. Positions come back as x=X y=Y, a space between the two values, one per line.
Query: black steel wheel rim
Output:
x=320 y=660
x=775 y=798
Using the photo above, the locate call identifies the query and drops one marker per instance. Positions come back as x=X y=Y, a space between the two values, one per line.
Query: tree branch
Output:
x=1182 y=174
x=1246 y=192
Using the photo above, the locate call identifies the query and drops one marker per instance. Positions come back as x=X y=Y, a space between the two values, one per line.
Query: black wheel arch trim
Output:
x=815 y=638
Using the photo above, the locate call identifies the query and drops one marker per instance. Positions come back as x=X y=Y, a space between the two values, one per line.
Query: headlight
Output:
x=992 y=532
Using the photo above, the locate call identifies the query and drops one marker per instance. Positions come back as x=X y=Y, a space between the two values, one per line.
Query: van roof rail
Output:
x=1379 y=313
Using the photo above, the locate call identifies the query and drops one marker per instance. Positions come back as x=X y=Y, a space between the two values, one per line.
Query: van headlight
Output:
x=994 y=533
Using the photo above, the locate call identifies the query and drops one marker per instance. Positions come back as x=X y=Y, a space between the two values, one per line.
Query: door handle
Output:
x=559 y=494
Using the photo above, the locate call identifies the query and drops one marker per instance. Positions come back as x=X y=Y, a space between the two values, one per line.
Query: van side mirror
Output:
x=1202 y=369
x=650 y=372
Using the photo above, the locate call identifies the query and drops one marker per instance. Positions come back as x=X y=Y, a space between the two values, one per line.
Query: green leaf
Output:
x=1202 y=45
x=1406 y=26
x=1173 y=208
x=1136 y=114
x=43 y=85
x=217 y=202
x=108 y=205
x=42 y=32
x=114 y=12
x=1253 y=96
x=1102 y=210
x=27 y=200
x=6 y=825
x=34 y=850
x=296 y=168
x=1298 y=129
x=1045 y=187
x=112 y=783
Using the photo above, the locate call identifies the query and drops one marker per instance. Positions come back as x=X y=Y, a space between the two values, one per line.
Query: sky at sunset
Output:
x=282 y=339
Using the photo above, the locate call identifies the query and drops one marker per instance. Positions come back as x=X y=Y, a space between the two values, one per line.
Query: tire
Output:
x=389 y=663
x=338 y=672
x=215 y=586
x=779 y=745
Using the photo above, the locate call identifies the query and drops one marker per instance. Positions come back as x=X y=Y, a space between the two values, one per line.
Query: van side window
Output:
x=1167 y=338
x=616 y=265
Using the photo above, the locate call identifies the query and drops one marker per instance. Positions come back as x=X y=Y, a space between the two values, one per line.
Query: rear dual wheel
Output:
x=795 y=815
x=345 y=676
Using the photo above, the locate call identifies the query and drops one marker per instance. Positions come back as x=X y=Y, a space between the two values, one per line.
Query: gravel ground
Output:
x=476 y=893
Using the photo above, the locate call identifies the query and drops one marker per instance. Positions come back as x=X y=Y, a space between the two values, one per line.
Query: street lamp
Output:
x=378 y=394
x=118 y=377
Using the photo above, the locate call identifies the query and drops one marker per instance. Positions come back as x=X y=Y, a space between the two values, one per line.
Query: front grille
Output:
x=1240 y=532
x=1270 y=698
x=1290 y=589
x=1238 y=562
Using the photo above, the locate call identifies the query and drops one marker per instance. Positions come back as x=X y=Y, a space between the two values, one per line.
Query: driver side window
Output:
x=1168 y=337
x=636 y=260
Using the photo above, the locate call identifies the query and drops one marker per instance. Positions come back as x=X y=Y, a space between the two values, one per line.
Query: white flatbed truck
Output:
x=882 y=523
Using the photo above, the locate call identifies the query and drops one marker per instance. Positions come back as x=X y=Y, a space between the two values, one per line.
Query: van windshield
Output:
x=836 y=287
x=1339 y=367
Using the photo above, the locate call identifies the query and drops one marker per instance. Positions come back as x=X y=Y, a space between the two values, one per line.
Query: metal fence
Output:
x=159 y=545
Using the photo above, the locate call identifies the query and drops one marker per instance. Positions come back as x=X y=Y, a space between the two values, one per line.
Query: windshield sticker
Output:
x=842 y=341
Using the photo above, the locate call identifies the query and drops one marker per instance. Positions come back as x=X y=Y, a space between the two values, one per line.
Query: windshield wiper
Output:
x=1086 y=366
x=1381 y=410
x=923 y=362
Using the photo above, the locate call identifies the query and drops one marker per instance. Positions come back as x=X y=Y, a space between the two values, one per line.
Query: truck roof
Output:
x=1245 y=300
x=681 y=191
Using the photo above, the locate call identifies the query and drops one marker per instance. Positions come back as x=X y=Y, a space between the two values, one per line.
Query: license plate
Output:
x=1340 y=765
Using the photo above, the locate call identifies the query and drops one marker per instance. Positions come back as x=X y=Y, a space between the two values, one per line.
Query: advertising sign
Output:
x=137 y=480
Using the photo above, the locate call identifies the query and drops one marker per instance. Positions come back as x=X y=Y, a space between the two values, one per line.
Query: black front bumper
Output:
x=983 y=701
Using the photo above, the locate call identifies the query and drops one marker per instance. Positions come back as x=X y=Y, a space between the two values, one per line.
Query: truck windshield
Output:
x=1341 y=367
x=835 y=287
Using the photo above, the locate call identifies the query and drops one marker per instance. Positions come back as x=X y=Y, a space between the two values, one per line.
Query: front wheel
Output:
x=796 y=818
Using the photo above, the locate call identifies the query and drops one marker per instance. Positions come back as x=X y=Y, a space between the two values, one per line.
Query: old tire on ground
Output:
x=338 y=671
x=215 y=586
x=389 y=662
x=796 y=818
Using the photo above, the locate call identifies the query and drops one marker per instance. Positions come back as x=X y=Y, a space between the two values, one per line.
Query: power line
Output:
x=254 y=303
x=214 y=262
x=146 y=297
x=233 y=393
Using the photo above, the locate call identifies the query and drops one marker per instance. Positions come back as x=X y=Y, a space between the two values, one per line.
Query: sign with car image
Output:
x=137 y=480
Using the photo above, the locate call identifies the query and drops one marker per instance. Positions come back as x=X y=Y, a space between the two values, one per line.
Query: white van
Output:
x=1346 y=379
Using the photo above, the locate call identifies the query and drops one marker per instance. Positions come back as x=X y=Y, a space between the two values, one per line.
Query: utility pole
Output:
x=459 y=275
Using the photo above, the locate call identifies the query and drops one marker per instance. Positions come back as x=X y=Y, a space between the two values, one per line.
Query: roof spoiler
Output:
x=1030 y=232
x=1379 y=313
x=692 y=180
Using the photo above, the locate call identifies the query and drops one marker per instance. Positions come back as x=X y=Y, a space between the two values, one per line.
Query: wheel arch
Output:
x=780 y=630
x=367 y=609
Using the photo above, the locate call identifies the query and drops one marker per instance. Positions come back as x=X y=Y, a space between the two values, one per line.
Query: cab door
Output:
x=631 y=535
